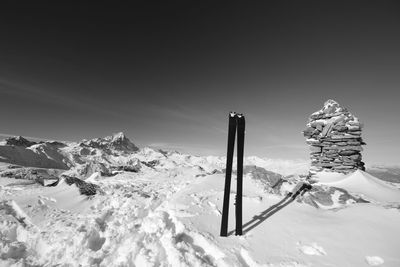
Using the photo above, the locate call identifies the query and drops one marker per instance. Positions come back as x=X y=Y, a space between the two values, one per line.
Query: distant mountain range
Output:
x=118 y=152
x=386 y=173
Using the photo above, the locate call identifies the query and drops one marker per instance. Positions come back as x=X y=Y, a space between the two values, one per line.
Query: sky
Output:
x=168 y=73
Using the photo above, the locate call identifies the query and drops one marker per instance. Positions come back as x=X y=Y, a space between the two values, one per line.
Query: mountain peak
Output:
x=119 y=135
x=19 y=141
x=117 y=141
x=120 y=142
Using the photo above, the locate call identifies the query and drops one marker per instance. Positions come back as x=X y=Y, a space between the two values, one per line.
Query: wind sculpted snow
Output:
x=168 y=213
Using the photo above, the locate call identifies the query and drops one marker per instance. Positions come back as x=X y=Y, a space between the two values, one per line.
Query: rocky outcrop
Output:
x=133 y=167
x=329 y=197
x=85 y=188
x=334 y=137
x=88 y=168
x=270 y=181
x=151 y=164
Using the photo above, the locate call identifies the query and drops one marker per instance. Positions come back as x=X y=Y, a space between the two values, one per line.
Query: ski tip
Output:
x=235 y=114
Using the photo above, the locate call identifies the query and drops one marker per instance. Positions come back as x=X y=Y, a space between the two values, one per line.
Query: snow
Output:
x=313 y=249
x=374 y=260
x=364 y=184
x=169 y=214
x=144 y=220
x=277 y=238
x=93 y=178
x=326 y=177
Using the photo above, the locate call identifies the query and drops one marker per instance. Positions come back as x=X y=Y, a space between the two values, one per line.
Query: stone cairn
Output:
x=334 y=137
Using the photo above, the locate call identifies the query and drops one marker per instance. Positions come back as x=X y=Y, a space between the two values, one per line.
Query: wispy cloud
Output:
x=188 y=114
x=51 y=96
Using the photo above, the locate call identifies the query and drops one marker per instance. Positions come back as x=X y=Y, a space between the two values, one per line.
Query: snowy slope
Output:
x=368 y=186
x=40 y=155
x=172 y=218
x=167 y=212
x=295 y=235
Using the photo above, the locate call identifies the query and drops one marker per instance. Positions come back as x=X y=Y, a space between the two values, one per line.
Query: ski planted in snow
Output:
x=228 y=172
x=239 y=171
x=236 y=124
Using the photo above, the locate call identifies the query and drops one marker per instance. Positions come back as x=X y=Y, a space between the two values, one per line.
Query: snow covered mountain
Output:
x=117 y=152
x=386 y=173
x=117 y=142
x=106 y=202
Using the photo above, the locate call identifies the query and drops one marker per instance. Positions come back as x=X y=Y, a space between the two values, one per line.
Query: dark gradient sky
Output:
x=168 y=74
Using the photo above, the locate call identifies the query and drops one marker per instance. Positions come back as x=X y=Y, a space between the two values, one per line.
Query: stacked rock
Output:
x=334 y=136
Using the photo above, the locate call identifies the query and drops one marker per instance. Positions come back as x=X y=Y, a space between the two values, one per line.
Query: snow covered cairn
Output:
x=334 y=137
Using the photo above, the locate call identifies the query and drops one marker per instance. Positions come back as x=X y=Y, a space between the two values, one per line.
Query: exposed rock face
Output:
x=271 y=181
x=19 y=141
x=117 y=141
x=91 y=167
x=150 y=164
x=131 y=167
x=334 y=136
x=85 y=188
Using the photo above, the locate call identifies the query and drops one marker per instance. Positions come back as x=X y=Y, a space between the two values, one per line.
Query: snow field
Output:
x=296 y=235
x=363 y=184
x=171 y=217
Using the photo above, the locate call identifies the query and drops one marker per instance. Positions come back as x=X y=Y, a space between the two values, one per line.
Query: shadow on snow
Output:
x=258 y=219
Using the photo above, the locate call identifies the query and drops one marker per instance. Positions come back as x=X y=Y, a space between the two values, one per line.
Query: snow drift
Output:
x=362 y=183
x=151 y=207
